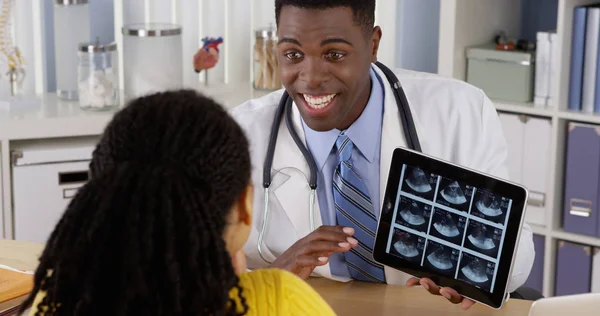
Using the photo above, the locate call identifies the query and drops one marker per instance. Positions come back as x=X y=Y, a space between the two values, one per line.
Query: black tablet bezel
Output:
x=517 y=193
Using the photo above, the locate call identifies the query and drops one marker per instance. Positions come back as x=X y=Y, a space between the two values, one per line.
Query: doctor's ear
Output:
x=375 y=40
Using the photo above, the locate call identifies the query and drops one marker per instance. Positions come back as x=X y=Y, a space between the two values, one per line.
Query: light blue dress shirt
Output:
x=365 y=133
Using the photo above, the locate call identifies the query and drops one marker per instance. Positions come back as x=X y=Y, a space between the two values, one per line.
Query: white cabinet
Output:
x=45 y=179
x=513 y=132
x=536 y=167
x=528 y=141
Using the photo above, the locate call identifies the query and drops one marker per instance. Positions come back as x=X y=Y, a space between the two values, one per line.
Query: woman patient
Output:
x=160 y=226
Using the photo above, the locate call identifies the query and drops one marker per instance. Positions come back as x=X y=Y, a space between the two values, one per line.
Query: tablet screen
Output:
x=443 y=220
x=449 y=227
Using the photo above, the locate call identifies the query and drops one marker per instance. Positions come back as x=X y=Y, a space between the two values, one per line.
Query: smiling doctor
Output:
x=322 y=147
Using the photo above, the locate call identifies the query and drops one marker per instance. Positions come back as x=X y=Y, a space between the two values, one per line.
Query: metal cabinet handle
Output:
x=537 y=199
x=578 y=207
x=69 y=193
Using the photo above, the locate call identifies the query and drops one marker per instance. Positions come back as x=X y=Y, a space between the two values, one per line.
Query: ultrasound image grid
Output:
x=473 y=271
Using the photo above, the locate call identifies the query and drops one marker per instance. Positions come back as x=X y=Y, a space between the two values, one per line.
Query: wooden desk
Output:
x=20 y=255
x=346 y=298
x=357 y=298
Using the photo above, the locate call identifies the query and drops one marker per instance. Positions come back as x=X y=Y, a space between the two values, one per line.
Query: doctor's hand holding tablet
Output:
x=329 y=152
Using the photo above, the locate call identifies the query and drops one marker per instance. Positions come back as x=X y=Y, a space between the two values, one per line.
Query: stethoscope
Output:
x=285 y=109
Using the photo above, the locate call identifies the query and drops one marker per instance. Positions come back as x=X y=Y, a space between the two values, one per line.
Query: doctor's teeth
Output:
x=318 y=101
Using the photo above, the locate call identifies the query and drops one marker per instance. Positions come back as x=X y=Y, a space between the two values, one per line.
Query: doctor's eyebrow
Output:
x=323 y=43
x=335 y=40
x=289 y=40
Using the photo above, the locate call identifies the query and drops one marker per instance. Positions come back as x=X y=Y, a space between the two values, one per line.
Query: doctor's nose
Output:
x=313 y=74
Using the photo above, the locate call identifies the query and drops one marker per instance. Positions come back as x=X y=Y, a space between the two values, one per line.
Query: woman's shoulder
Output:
x=283 y=290
x=269 y=276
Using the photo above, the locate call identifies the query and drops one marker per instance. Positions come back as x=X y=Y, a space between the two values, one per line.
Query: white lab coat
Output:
x=454 y=121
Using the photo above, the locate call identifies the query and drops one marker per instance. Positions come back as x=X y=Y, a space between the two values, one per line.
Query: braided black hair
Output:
x=145 y=235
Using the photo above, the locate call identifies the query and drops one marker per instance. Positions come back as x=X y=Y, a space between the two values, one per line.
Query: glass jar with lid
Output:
x=266 y=64
x=151 y=58
x=98 y=74
x=71 y=27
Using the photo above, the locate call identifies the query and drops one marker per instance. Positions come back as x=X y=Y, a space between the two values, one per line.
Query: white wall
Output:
x=418 y=34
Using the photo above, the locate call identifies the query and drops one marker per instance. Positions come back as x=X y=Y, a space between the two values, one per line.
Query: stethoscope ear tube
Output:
x=312 y=165
x=408 y=124
x=273 y=140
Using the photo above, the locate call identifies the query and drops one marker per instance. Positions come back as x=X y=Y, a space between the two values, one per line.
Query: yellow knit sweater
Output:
x=278 y=292
x=268 y=292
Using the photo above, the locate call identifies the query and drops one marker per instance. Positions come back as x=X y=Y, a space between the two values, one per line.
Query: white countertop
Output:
x=53 y=117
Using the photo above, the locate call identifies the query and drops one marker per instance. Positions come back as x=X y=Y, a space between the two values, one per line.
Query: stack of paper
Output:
x=15 y=286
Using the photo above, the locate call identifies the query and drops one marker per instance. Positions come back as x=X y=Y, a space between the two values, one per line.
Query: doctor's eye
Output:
x=334 y=56
x=293 y=56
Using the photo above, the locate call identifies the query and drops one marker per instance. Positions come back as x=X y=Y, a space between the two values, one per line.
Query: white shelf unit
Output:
x=229 y=81
x=465 y=23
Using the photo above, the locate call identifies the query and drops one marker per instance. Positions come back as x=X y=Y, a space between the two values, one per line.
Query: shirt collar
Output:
x=365 y=132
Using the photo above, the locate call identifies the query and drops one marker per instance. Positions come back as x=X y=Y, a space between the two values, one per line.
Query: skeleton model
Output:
x=12 y=60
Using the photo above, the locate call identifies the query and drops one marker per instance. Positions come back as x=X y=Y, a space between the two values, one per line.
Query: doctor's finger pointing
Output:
x=335 y=234
x=315 y=249
x=320 y=247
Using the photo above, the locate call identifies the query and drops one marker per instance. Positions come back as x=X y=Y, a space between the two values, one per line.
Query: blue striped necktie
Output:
x=355 y=209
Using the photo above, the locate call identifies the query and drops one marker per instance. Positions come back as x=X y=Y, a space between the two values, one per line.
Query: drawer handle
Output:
x=537 y=199
x=497 y=60
x=69 y=193
x=75 y=177
x=581 y=208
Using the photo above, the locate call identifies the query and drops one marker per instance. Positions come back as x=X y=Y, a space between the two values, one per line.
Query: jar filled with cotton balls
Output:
x=98 y=75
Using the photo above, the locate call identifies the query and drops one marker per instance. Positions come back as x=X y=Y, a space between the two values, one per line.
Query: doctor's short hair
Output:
x=145 y=234
x=364 y=10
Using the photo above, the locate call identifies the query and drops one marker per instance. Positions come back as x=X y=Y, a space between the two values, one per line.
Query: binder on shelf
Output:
x=573 y=269
x=536 y=276
x=590 y=59
x=596 y=271
x=542 y=68
x=554 y=62
x=597 y=90
x=582 y=178
x=577 y=57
